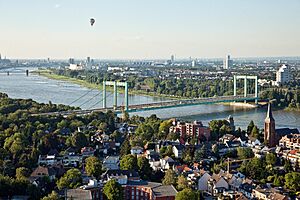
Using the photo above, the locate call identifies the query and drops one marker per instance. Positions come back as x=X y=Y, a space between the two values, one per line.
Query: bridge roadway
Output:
x=156 y=106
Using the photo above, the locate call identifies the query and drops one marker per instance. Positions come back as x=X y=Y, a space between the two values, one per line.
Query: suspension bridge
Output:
x=158 y=105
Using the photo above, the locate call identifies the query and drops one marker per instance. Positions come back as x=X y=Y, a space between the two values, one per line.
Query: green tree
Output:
x=250 y=127
x=271 y=159
x=144 y=168
x=93 y=166
x=79 y=140
x=186 y=194
x=292 y=181
x=182 y=182
x=163 y=130
x=255 y=132
x=113 y=190
x=287 y=166
x=244 y=153
x=71 y=179
x=52 y=196
x=128 y=162
x=169 y=178
x=125 y=148
x=22 y=173
x=277 y=182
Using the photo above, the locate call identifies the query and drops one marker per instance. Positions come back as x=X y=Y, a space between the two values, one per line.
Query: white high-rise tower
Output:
x=227 y=64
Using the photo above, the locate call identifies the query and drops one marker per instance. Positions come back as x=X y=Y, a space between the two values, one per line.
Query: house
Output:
x=87 y=152
x=47 y=160
x=167 y=163
x=217 y=184
x=226 y=138
x=111 y=162
x=136 y=150
x=203 y=182
x=41 y=172
x=122 y=176
x=91 y=191
x=291 y=141
x=268 y=194
x=154 y=161
x=246 y=189
x=178 y=150
x=71 y=158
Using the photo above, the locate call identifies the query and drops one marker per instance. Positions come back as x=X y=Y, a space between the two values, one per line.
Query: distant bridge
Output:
x=161 y=105
x=157 y=105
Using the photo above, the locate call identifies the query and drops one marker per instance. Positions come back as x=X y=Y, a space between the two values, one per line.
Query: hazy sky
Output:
x=149 y=28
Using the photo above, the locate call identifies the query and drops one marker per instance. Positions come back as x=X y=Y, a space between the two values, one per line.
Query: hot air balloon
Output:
x=92 y=21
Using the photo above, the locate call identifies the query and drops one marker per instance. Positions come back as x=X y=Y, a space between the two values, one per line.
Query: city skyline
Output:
x=146 y=30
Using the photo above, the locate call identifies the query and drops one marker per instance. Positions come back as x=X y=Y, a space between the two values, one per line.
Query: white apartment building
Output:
x=283 y=75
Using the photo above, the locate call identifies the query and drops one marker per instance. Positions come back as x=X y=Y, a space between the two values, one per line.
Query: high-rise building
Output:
x=88 y=59
x=71 y=61
x=270 y=132
x=283 y=75
x=227 y=64
x=172 y=59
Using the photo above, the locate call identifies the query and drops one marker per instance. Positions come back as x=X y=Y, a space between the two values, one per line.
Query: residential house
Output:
x=167 y=163
x=203 y=181
x=217 y=184
x=111 y=162
x=136 y=150
x=71 y=158
x=178 y=150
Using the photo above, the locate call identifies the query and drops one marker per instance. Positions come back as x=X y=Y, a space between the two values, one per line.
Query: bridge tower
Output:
x=246 y=78
x=116 y=84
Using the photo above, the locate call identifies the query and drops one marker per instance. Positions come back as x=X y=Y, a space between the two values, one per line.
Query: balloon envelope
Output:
x=92 y=21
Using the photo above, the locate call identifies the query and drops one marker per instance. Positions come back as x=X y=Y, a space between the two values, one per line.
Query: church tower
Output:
x=270 y=133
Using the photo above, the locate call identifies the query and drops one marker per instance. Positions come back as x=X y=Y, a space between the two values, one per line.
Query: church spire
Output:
x=269 y=131
x=269 y=113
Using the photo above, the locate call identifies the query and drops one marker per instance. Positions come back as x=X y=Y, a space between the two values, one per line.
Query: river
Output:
x=41 y=89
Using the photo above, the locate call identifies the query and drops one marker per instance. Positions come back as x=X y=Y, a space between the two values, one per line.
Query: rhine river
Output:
x=41 y=89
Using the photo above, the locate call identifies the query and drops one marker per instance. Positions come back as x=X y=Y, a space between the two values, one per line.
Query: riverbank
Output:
x=49 y=74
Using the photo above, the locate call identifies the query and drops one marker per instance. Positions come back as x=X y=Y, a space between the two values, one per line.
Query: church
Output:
x=272 y=135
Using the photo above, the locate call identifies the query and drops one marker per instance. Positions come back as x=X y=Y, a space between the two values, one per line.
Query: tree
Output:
x=182 y=182
x=277 y=182
x=186 y=194
x=244 y=153
x=200 y=153
x=164 y=129
x=169 y=178
x=71 y=179
x=144 y=167
x=79 y=140
x=113 y=190
x=250 y=127
x=287 y=166
x=125 y=148
x=22 y=173
x=292 y=181
x=93 y=166
x=52 y=196
x=255 y=132
x=128 y=162
x=271 y=159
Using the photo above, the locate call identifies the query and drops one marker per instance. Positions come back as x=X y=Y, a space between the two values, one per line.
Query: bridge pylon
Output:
x=246 y=78
x=115 y=85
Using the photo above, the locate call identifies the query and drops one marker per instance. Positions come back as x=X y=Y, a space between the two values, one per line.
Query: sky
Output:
x=148 y=29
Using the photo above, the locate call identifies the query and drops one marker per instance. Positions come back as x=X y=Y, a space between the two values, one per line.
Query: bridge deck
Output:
x=158 y=105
